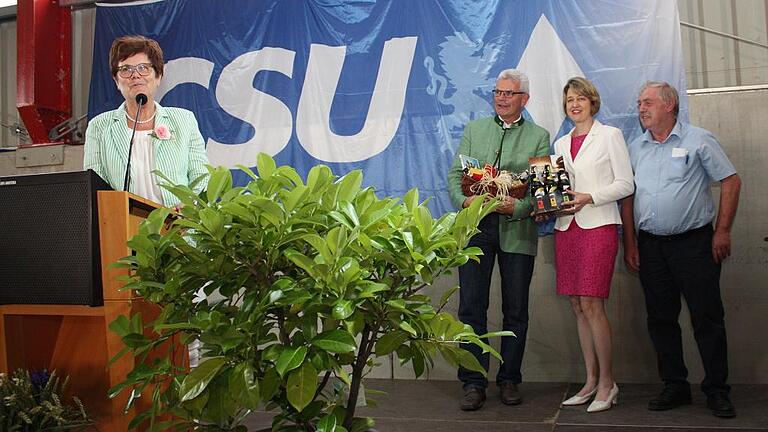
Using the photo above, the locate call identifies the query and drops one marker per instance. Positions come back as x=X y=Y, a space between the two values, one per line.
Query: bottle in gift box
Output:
x=550 y=186
x=565 y=184
x=537 y=191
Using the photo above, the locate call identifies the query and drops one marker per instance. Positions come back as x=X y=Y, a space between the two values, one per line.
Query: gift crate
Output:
x=548 y=185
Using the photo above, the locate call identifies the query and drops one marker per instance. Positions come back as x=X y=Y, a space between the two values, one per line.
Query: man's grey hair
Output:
x=515 y=75
x=666 y=92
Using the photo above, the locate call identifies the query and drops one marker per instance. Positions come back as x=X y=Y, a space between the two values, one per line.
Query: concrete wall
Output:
x=553 y=354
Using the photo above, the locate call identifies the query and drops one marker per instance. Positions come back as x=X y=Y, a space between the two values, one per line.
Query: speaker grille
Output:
x=49 y=241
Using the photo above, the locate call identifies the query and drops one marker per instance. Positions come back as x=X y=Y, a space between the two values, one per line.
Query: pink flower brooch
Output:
x=161 y=132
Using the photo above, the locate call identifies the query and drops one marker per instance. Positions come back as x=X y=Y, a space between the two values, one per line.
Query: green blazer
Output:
x=481 y=140
x=181 y=158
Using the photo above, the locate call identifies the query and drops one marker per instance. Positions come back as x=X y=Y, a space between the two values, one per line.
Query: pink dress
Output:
x=585 y=258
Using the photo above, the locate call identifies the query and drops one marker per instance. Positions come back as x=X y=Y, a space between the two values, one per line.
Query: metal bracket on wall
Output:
x=16 y=129
x=70 y=130
x=725 y=35
x=39 y=156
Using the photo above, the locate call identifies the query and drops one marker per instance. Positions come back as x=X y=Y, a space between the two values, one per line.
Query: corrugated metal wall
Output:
x=716 y=61
x=8 y=114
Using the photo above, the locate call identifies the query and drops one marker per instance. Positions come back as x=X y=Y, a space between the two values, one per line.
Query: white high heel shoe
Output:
x=602 y=405
x=579 y=400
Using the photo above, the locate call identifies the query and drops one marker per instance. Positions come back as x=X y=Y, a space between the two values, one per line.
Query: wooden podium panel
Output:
x=76 y=340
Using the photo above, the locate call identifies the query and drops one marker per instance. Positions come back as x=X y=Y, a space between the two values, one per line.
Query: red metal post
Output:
x=44 y=65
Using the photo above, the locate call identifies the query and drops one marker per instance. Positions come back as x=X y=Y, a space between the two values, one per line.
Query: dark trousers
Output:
x=475 y=279
x=683 y=264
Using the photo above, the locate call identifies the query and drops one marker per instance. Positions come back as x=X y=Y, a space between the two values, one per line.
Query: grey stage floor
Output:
x=411 y=406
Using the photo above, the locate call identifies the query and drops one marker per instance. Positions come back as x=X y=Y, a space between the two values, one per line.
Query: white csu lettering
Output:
x=273 y=121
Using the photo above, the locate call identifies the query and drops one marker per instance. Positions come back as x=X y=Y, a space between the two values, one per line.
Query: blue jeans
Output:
x=475 y=280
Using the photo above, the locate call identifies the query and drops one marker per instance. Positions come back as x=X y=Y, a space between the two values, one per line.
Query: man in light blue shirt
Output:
x=676 y=250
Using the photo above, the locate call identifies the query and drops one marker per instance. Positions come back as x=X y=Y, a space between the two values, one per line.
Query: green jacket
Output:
x=481 y=140
x=181 y=158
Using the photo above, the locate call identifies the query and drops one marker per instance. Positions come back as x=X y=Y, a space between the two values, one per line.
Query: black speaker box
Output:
x=49 y=239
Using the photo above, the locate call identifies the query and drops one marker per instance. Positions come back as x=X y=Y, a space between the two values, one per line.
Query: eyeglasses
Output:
x=506 y=93
x=126 y=71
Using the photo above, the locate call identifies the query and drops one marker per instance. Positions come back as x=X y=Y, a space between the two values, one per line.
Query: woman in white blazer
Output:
x=586 y=238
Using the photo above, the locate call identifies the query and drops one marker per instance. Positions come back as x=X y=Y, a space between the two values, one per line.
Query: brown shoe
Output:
x=510 y=395
x=474 y=398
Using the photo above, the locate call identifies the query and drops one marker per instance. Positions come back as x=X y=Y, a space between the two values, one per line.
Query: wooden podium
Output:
x=75 y=340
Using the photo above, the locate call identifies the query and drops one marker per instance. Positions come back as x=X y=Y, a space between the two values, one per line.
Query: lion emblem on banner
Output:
x=466 y=84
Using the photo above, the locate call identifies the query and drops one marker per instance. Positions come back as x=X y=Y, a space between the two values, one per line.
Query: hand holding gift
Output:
x=550 y=188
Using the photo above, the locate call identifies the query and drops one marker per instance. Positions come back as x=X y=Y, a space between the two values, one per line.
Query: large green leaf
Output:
x=469 y=361
x=244 y=386
x=222 y=404
x=319 y=177
x=390 y=342
x=200 y=377
x=408 y=328
x=342 y=309
x=327 y=424
x=212 y=221
x=302 y=261
x=155 y=222
x=362 y=424
x=265 y=165
x=219 y=182
x=121 y=325
x=447 y=296
x=349 y=185
x=301 y=386
x=290 y=359
x=321 y=245
x=457 y=356
x=295 y=197
x=411 y=199
x=369 y=289
x=335 y=341
x=270 y=384
x=349 y=210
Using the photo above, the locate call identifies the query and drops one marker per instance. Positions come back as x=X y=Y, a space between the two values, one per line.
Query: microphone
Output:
x=141 y=99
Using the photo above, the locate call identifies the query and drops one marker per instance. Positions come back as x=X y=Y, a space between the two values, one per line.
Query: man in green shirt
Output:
x=508 y=235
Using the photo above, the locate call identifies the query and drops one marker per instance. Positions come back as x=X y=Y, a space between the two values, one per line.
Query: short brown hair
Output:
x=126 y=46
x=585 y=88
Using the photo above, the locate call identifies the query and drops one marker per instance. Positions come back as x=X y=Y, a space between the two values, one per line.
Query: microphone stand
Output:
x=140 y=102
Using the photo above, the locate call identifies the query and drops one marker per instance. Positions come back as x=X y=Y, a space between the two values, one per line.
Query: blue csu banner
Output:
x=385 y=86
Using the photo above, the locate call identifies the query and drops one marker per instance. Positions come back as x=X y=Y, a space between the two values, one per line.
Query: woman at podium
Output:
x=154 y=138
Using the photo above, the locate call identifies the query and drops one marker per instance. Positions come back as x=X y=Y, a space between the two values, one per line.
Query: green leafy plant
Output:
x=312 y=279
x=33 y=402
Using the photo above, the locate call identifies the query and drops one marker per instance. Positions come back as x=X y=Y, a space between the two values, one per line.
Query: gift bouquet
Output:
x=490 y=180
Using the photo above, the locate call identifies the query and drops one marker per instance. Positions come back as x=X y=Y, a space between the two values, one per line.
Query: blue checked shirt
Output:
x=672 y=193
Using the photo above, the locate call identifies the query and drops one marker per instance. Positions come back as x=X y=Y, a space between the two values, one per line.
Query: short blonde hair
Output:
x=585 y=88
